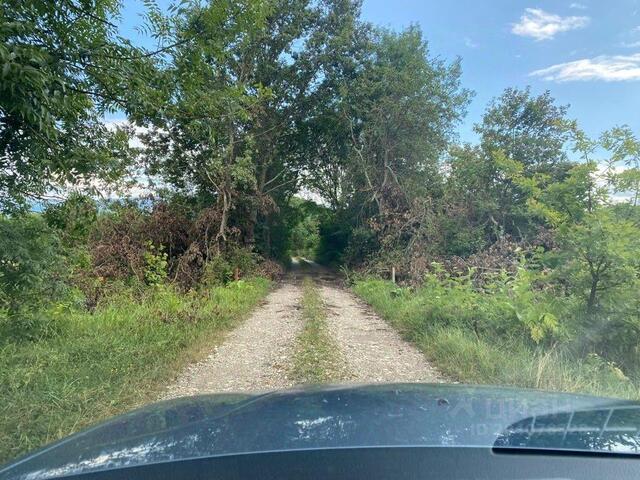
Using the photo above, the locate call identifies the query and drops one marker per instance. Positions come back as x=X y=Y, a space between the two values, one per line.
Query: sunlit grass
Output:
x=105 y=363
x=490 y=358
x=317 y=358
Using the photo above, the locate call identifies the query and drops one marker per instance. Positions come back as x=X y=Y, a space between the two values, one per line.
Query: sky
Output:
x=587 y=52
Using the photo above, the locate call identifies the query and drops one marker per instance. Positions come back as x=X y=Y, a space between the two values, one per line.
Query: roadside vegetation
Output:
x=479 y=339
x=124 y=244
x=525 y=268
x=93 y=365
x=317 y=358
x=102 y=305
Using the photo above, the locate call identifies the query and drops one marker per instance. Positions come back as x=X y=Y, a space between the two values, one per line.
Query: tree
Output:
x=556 y=203
x=233 y=96
x=383 y=116
x=598 y=260
x=623 y=165
x=335 y=53
x=62 y=65
x=470 y=203
x=401 y=111
x=32 y=274
x=532 y=131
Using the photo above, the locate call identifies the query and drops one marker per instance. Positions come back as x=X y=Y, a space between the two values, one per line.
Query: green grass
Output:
x=105 y=363
x=488 y=357
x=317 y=358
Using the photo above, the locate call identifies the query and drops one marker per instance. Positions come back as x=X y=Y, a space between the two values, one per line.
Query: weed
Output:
x=477 y=338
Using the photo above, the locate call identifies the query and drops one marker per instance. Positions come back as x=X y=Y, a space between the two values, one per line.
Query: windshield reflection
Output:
x=612 y=429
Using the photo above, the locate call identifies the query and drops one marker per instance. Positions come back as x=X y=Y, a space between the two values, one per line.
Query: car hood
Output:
x=341 y=417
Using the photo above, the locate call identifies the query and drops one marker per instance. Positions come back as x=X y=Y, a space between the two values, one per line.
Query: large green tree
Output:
x=401 y=112
x=62 y=65
x=530 y=129
x=234 y=86
x=516 y=127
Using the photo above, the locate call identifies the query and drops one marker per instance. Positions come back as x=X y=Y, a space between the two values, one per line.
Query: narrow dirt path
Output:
x=374 y=350
x=255 y=356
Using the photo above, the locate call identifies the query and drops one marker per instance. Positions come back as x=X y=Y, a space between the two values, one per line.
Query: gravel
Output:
x=374 y=351
x=255 y=357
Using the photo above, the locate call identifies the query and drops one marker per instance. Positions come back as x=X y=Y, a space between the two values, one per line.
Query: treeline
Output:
x=245 y=103
x=241 y=105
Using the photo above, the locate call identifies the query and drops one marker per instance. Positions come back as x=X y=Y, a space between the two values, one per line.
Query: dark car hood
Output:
x=335 y=417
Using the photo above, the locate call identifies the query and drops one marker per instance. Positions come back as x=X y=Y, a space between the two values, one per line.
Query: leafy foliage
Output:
x=62 y=65
x=32 y=276
x=503 y=349
x=106 y=362
x=524 y=245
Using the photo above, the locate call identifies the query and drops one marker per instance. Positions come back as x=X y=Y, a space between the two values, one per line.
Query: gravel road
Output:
x=256 y=356
x=373 y=349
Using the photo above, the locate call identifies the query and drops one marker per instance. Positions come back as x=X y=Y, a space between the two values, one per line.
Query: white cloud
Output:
x=608 y=68
x=541 y=25
x=578 y=6
x=601 y=176
x=633 y=38
x=134 y=141
x=470 y=43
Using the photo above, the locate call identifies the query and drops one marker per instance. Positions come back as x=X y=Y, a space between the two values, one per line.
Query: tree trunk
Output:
x=221 y=237
x=250 y=233
x=225 y=194
x=591 y=302
x=253 y=213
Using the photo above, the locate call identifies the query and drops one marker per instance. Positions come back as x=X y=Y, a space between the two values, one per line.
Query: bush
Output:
x=217 y=271
x=33 y=276
x=238 y=262
x=155 y=259
x=74 y=218
x=118 y=243
x=270 y=269
x=362 y=243
x=507 y=306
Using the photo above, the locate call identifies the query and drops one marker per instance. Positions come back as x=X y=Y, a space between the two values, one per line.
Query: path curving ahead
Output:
x=257 y=355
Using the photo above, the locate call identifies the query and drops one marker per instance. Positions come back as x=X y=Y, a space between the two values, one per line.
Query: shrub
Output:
x=33 y=275
x=155 y=259
x=74 y=218
x=238 y=262
x=362 y=243
x=217 y=271
x=117 y=245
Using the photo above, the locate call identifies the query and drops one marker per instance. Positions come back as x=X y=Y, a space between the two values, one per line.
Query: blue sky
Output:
x=586 y=52
x=501 y=42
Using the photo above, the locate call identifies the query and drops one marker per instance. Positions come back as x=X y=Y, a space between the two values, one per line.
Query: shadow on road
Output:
x=304 y=268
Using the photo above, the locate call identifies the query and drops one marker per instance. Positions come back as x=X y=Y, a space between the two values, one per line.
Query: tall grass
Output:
x=104 y=363
x=434 y=320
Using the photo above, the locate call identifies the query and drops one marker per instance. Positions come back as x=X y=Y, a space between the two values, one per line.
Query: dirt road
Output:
x=256 y=356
